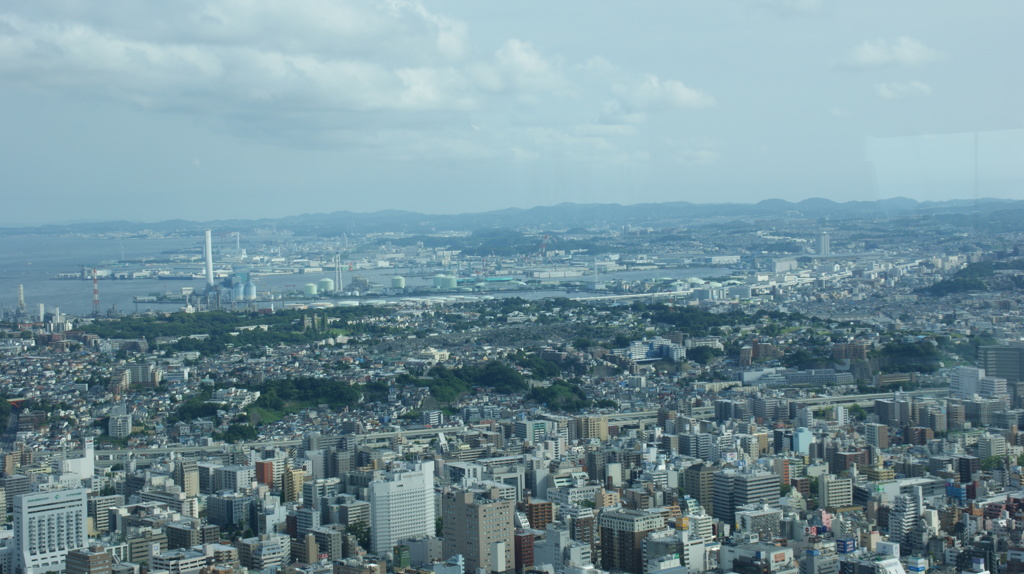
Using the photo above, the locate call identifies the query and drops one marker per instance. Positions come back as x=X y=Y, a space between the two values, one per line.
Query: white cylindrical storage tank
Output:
x=309 y=290
x=325 y=285
x=237 y=291
x=249 y=292
x=445 y=282
x=398 y=282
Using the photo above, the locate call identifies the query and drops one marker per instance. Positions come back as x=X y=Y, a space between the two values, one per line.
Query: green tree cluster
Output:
x=561 y=396
x=307 y=391
x=703 y=355
x=446 y=385
x=237 y=432
x=540 y=367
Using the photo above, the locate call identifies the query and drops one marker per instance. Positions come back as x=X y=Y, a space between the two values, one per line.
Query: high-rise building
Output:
x=48 y=525
x=802 y=439
x=316 y=492
x=186 y=475
x=538 y=512
x=963 y=381
x=291 y=483
x=1004 y=361
x=992 y=445
x=842 y=415
x=824 y=244
x=593 y=427
x=993 y=387
x=697 y=445
x=97 y=509
x=877 y=435
x=894 y=412
x=523 y=543
x=906 y=510
x=532 y=432
x=479 y=525
x=732 y=489
x=835 y=492
x=233 y=477
x=13 y=485
x=967 y=467
x=330 y=540
x=119 y=426
x=265 y=472
x=402 y=505
x=622 y=536
x=229 y=509
x=697 y=482
x=765 y=521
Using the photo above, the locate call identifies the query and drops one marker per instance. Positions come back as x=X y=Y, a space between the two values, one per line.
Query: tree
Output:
x=703 y=355
x=858 y=412
x=992 y=462
x=361 y=530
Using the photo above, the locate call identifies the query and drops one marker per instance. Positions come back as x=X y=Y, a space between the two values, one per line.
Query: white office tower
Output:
x=992 y=388
x=842 y=416
x=963 y=381
x=906 y=510
x=47 y=525
x=402 y=506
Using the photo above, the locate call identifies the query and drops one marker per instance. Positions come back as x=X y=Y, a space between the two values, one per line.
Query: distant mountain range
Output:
x=570 y=215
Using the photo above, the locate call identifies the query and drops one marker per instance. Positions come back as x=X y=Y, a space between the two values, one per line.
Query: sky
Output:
x=205 y=110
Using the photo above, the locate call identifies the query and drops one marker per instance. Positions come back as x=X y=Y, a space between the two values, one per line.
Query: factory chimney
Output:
x=209 y=259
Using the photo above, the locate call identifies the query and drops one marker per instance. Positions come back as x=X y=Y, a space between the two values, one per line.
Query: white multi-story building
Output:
x=905 y=512
x=835 y=492
x=47 y=525
x=963 y=381
x=402 y=506
x=992 y=445
x=992 y=387
x=842 y=416
x=119 y=426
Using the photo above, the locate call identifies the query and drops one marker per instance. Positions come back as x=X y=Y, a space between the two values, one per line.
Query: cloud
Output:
x=904 y=51
x=791 y=7
x=652 y=93
x=385 y=77
x=692 y=151
x=236 y=69
x=522 y=66
x=901 y=90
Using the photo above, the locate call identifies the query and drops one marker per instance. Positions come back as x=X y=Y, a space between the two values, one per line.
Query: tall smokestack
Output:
x=209 y=258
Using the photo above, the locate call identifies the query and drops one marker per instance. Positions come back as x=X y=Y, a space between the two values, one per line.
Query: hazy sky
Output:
x=261 y=108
